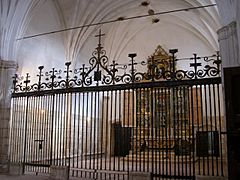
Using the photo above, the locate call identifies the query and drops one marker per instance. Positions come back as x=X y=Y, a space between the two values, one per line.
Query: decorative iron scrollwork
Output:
x=99 y=72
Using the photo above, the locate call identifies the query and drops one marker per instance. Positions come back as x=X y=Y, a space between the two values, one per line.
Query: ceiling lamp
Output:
x=151 y=12
x=145 y=3
x=155 y=20
x=120 y=18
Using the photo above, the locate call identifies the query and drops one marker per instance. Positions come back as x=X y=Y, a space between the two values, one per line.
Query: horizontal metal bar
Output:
x=37 y=165
x=172 y=176
x=101 y=171
x=191 y=82
x=231 y=133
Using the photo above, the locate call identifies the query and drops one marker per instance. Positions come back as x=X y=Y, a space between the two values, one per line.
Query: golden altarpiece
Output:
x=162 y=116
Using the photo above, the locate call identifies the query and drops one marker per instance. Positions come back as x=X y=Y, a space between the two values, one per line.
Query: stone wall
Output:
x=7 y=69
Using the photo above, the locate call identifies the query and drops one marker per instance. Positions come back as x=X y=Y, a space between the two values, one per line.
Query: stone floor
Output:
x=89 y=174
x=32 y=177
x=23 y=177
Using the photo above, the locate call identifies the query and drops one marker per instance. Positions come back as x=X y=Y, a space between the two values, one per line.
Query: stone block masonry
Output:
x=7 y=70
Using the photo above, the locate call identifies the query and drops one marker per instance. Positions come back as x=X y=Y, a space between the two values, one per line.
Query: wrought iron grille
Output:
x=105 y=120
x=101 y=72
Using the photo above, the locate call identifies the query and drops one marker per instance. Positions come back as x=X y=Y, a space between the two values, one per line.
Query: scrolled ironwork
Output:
x=101 y=72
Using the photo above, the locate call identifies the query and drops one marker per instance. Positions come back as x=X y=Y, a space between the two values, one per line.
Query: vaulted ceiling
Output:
x=192 y=31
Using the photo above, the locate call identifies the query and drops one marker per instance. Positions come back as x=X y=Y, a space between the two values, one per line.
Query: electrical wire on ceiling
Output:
x=116 y=20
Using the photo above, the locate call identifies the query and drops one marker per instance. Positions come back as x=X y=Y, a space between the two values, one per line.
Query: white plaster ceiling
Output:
x=191 y=31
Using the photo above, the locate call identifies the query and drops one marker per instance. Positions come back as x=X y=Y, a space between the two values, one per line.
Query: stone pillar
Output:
x=229 y=50
x=7 y=69
x=229 y=46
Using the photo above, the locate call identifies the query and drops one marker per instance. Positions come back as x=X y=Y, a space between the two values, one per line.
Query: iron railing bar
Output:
x=170 y=134
x=65 y=126
x=147 y=109
x=79 y=122
x=185 y=107
x=90 y=128
x=69 y=124
x=139 y=122
x=211 y=128
x=182 y=109
x=193 y=131
x=214 y=80
x=74 y=97
x=197 y=113
x=52 y=129
x=152 y=126
x=174 y=124
x=133 y=133
x=220 y=129
x=82 y=139
x=86 y=133
x=22 y=109
x=202 y=119
x=57 y=123
x=111 y=130
x=48 y=132
x=163 y=126
x=39 y=128
x=156 y=136
x=101 y=110
x=25 y=135
x=122 y=142
x=115 y=129
x=39 y=123
x=91 y=132
x=179 y=121
x=191 y=134
x=62 y=135
x=143 y=129
x=32 y=121
x=158 y=130
x=21 y=133
x=107 y=132
x=216 y=128
x=127 y=93
x=115 y=107
x=97 y=127
x=62 y=125
x=136 y=133
x=206 y=116
x=126 y=125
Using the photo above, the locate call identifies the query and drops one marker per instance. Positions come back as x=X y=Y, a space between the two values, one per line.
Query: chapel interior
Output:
x=104 y=89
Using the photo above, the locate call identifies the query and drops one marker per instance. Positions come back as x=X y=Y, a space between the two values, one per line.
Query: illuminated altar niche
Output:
x=161 y=111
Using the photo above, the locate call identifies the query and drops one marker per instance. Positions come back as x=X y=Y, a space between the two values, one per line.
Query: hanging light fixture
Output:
x=151 y=12
x=145 y=3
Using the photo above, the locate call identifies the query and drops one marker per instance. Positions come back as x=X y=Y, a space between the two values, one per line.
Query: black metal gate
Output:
x=105 y=123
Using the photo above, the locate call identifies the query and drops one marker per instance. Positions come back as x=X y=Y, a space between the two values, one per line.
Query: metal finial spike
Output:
x=132 y=55
x=68 y=63
x=173 y=51
x=99 y=35
x=40 y=67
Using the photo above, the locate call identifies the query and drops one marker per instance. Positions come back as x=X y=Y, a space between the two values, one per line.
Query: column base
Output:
x=15 y=169
x=139 y=176
x=59 y=172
